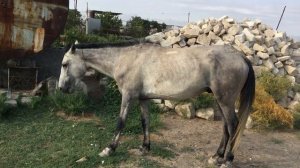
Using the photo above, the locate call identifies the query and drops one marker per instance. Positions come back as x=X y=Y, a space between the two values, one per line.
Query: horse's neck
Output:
x=102 y=59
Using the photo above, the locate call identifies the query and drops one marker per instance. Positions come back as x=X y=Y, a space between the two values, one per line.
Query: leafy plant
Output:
x=276 y=86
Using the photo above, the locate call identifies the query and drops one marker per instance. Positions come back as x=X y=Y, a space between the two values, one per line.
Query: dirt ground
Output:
x=194 y=141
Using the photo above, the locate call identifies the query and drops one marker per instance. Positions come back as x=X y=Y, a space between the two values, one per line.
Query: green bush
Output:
x=112 y=96
x=205 y=100
x=276 y=86
x=72 y=104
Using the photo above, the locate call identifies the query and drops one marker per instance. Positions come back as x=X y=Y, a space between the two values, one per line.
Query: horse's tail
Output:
x=246 y=99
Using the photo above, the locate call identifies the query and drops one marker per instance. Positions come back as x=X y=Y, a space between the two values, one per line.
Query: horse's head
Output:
x=72 y=71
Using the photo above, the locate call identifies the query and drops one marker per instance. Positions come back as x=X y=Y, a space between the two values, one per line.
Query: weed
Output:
x=267 y=114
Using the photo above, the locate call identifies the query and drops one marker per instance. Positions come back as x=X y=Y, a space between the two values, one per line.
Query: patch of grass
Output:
x=187 y=149
x=277 y=141
x=162 y=150
x=33 y=136
x=201 y=158
x=75 y=103
x=267 y=114
x=147 y=163
x=276 y=86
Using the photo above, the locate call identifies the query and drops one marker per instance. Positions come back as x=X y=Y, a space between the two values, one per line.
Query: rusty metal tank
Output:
x=29 y=26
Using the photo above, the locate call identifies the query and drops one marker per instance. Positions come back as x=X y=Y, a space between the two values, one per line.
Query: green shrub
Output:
x=274 y=85
x=205 y=100
x=75 y=103
x=112 y=96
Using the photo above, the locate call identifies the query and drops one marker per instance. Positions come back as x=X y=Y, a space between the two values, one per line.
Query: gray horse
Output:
x=148 y=71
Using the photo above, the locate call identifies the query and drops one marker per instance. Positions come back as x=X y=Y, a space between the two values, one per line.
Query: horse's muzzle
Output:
x=64 y=89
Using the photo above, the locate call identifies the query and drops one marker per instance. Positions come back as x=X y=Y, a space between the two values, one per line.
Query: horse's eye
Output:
x=65 y=65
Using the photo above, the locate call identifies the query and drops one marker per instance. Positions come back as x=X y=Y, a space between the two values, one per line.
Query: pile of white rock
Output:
x=262 y=45
x=266 y=48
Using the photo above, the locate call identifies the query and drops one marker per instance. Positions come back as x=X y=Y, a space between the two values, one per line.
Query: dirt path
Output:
x=194 y=141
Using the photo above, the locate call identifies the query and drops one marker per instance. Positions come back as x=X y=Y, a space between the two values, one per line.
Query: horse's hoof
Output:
x=106 y=152
x=144 y=150
x=215 y=160
x=227 y=165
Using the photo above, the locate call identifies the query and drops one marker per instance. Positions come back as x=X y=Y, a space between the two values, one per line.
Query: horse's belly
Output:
x=182 y=89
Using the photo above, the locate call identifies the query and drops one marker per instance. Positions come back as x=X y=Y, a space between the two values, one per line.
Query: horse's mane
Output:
x=126 y=43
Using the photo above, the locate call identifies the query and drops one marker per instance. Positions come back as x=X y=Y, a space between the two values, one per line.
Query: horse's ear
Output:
x=73 y=48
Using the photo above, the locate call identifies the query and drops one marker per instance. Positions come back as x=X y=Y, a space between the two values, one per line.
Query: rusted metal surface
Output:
x=28 y=26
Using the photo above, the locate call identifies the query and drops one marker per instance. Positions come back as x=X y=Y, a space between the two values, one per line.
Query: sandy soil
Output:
x=194 y=141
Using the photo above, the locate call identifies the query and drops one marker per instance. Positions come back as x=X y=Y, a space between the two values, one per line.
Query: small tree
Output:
x=138 y=27
x=135 y=27
x=110 y=23
x=74 y=20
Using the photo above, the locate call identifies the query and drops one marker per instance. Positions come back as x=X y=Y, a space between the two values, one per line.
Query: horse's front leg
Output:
x=145 y=124
x=126 y=101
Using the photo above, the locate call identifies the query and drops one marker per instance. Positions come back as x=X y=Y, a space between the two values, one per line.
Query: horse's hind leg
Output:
x=227 y=106
x=145 y=124
x=218 y=157
x=126 y=101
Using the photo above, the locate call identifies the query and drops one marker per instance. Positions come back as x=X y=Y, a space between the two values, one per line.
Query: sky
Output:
x=175 y=12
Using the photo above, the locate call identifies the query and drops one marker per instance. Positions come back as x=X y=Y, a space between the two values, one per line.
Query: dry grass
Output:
x=268 y=114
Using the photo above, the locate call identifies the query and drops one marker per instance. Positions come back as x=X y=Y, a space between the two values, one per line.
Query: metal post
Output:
x=189 y=17
x=280 y=17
